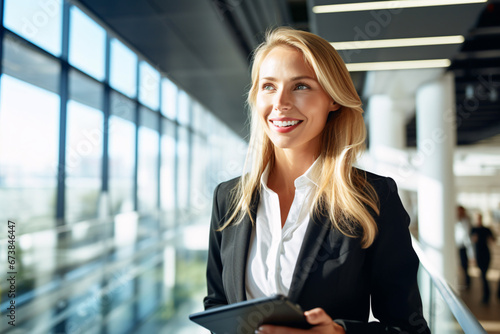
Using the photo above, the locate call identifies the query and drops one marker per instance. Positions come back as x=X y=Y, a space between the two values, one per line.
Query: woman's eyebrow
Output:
x=301 y=77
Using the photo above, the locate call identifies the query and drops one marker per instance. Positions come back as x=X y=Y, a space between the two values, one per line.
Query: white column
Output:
x=435 y=103
x=387 y=124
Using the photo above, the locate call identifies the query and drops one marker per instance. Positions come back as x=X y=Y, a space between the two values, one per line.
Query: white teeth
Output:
x=285 y=123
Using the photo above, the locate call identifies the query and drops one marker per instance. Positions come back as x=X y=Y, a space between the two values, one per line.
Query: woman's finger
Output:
x=317 y=316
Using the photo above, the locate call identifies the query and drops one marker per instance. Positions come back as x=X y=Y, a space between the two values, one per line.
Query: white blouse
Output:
x=274 y=250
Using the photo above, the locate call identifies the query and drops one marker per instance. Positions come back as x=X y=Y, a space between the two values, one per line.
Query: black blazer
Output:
x=333 y=271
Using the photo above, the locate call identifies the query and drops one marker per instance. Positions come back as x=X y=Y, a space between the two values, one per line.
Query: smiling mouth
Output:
x=285 y=124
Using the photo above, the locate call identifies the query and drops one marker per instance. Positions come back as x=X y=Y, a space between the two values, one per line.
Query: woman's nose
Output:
x=282 y=100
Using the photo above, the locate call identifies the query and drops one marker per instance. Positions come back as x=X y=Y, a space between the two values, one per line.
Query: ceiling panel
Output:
x=404 y=23
x=191 y=43
x=399 y=54
x=204 y=47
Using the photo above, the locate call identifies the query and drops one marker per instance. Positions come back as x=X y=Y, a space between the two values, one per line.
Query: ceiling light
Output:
x=469 y=92
x=396 y=4
x=493 y=95
x=398 y=65
x=398 y=42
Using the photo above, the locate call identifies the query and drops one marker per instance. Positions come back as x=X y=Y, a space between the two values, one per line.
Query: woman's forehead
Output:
x=285 y=60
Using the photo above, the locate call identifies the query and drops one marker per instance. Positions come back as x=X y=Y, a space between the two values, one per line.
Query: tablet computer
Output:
x=245 y=317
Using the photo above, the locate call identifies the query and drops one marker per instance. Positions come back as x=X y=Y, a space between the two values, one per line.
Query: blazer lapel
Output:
x=243 y=231
x=313 y=239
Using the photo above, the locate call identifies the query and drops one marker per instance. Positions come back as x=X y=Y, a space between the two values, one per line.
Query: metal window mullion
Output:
x=61 y=177
x=64 y=96
x=135 y=282
x=160 y=130
x=136 y=152
x=106 y=109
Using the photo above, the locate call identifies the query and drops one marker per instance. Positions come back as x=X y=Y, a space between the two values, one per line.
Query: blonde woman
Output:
x=304 y=222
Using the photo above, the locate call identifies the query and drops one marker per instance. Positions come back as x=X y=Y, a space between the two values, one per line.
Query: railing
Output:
x=443 y=309
x=98 y=275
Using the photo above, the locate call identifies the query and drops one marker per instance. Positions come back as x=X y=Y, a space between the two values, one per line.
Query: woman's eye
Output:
x=301 y=87
x=267 y=87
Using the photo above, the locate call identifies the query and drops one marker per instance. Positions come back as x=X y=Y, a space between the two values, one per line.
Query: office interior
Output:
x=119 y=118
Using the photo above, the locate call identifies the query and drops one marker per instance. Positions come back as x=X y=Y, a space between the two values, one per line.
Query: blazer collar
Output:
x=313 y=239
x=308 y=255
x=242 y=236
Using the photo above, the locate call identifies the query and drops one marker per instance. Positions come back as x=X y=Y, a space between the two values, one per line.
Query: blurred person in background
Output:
x=463 y=242
x=481 y=236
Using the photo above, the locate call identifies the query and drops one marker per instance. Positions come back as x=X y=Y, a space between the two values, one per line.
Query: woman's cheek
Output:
x=263 y=106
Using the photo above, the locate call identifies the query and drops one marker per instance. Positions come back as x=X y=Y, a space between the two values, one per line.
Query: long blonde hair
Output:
x=343 y=191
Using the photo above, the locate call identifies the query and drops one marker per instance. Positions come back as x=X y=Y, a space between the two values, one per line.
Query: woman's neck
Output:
x=288 y=166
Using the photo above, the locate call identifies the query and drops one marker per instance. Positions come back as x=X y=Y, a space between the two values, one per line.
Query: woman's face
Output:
x=290 y=101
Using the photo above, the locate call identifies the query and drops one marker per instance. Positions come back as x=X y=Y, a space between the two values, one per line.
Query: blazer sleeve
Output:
x=215 y=289
x=393 y=266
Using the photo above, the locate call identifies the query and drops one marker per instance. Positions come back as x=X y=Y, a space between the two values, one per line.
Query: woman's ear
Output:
x=334 y=106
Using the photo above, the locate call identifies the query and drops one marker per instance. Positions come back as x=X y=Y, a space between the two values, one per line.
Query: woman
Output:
x=304 y=222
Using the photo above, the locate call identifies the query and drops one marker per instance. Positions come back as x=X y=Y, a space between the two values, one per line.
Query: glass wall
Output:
x=121 y=154
x=28 y=152
x=107 y=170
x=84 y=144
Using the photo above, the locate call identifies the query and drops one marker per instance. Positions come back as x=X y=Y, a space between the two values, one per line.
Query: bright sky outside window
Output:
x=87 y=44
x=38 y=21
x=149 y=85
x=123 y=76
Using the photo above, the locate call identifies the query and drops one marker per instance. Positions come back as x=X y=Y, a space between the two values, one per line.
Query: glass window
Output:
x=121 y=154
x=121 y=319
x=84 y=137
x=38 y=21
x=200 y=194
x=23 y=62
x=149 y=86
x=199 y=121
x=85 y=90
x=183 y=170
x=148 y=161
x=87 y=300
x=169 y=99
x=226 y=152
x=168 y=161
x=184 y=108
x=148 y=296
x=123 y=76
x=87 y=44
x=121 y=301
x=83 y=161
x=29 y=142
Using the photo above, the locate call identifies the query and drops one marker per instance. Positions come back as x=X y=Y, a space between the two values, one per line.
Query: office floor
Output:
x=488 y=315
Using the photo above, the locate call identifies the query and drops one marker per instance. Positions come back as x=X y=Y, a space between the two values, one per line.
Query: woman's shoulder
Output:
x=226 y=190
x=227 y=186
x=383 y=185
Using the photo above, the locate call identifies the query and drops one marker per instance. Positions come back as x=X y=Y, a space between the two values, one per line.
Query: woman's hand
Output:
x=322 y=321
